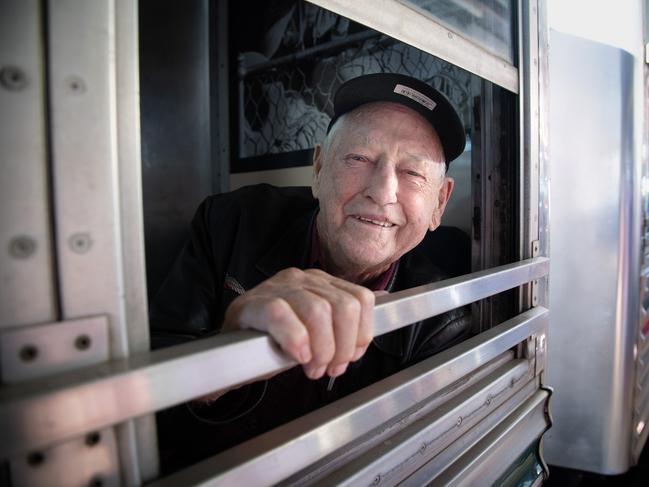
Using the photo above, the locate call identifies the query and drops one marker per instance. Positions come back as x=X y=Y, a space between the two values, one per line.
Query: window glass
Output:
x=290 y=67
x=488 y=23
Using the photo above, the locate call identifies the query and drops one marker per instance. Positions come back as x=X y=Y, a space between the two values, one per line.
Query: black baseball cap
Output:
x=408 y=91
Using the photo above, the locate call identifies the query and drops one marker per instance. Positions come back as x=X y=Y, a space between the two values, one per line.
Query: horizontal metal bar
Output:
x=288 y=449
x=489 y=459
x=421 y=31
x=458 y=449
x=315 y=474
x=425 y=438
x=398 y=309
x=39 y=412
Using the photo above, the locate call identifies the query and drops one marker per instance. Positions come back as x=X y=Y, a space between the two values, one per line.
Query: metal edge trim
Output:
x=391 y=17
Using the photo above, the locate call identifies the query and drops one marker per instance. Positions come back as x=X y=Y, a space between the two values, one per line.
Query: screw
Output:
x=422 y=448
x=28 y=353
x=76 y=85
x=35 y=459
x=80 y=243
x=459 y=421
x=93 y=438
x=22 y=247
x=82 y=342
x=12 y=78
x=488 y=401
x=377 y=480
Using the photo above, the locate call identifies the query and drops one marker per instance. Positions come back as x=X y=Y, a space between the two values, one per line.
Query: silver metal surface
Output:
x=264 y=460
x=543 y=146
x=95 y=135
x=412 y=27
x=529 y=135
x=592 y=333
x=454 y=452
x=402 y=454
x=90 y=460
x=487 y=461
x=42 y=350
x=316 y=473
x=27 y=289
x=415 y=304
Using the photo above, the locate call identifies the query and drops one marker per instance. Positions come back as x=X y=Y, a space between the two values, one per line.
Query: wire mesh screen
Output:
x=286 y=102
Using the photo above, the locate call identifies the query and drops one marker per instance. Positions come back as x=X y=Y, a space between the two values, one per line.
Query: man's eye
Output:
x=355 y=157
x=414 y=173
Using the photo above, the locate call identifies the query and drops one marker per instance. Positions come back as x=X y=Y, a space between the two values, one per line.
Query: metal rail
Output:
x=38 y=413
x=311 y=438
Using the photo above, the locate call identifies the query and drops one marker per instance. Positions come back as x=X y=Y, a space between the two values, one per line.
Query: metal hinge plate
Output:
x=28 y=352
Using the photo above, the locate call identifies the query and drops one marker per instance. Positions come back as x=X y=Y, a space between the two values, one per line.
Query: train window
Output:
x=285 y=64
x=238 y=93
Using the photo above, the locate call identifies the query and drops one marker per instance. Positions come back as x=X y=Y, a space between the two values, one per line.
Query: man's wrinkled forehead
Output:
x=358 y=127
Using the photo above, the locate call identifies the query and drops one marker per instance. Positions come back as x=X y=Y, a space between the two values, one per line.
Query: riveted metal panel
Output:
x=27 y=290
x=41 y=350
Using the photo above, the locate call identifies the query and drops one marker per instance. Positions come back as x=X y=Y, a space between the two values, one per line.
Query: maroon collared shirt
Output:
x=316 y=260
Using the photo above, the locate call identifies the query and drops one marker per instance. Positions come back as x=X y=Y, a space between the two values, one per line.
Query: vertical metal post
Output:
x=27 y=288
x=528 y=55
x=94 y=93
x=220 y=95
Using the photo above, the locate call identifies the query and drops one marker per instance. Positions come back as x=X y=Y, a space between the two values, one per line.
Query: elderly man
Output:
x=305 y=268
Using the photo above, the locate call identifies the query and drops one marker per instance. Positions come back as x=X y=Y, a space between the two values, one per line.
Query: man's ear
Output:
x=443 y=195
x=317 y=166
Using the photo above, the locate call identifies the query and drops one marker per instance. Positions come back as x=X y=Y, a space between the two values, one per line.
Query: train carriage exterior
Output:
x=118 y=117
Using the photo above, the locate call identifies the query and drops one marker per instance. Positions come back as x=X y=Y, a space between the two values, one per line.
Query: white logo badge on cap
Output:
x=415 y=95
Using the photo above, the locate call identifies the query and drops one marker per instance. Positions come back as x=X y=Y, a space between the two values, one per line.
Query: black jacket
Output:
x=238 y=240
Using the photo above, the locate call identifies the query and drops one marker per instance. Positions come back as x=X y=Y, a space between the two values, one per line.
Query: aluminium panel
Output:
x=27 y=287
x=591 y=338
x=41 y=350
x=399 y=456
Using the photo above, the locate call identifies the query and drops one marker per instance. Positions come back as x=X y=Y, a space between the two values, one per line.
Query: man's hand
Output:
x=319 y=320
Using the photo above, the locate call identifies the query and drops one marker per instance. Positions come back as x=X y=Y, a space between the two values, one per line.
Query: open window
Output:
x=209 y=111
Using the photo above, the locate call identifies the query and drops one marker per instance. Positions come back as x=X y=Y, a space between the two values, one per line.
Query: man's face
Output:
x=380 y=183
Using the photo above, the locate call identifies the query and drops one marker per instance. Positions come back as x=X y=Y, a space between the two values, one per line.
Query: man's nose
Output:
x=383 y=184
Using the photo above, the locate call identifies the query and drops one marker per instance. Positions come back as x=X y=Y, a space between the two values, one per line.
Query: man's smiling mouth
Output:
x=383 y=224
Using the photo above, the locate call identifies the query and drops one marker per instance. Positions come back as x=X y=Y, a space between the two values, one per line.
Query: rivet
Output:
x=35 y=459
x=422 y=448
x=488 y=401
x=450 y=36
x=83 y=342
x=377 y=480
x=22 y=247
x=93 y=438
x=80 y=243
x=28 y=353
x=12 y=78
x=459 y=421
x=76 y=85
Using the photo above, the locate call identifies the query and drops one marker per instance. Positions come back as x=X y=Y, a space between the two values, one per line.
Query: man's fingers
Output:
x=366 y=326
x=319 y=320
x=276 y=316
x=315 y=314
x=345 y=316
